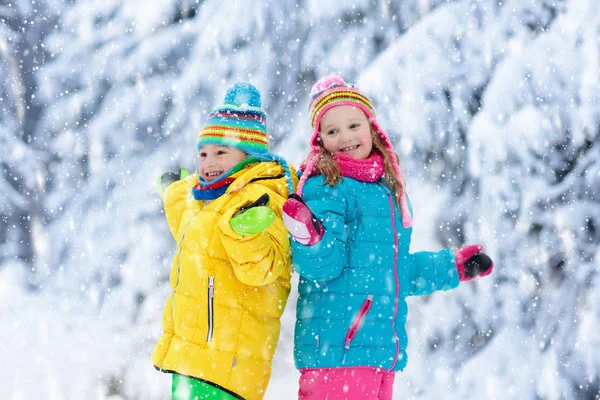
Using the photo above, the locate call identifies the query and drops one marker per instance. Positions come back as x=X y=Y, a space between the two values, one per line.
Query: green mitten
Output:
x=169 y=177
x=253 y=218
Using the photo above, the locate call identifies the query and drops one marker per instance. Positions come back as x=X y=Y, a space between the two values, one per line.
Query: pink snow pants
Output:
x=357 y=383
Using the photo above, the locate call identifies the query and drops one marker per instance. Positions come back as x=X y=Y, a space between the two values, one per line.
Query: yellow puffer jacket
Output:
x=221 y=321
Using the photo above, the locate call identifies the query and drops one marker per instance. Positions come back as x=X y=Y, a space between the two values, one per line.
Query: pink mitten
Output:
x=304 y=227
x=472 y=263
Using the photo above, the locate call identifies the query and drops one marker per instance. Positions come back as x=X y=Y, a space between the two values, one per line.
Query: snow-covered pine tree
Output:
x=23 y=153
x=542 y=161
x=498 y=104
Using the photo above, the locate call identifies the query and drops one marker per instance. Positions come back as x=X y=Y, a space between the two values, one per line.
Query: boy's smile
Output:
x=217 y=159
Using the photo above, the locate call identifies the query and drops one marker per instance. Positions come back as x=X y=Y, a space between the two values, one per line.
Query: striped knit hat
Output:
x=333 y=91
x=239 y=123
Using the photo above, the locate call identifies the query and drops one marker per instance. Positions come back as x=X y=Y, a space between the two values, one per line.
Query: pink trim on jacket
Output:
x=397 y=284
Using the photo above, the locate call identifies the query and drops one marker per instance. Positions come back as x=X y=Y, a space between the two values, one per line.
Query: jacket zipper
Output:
x=178 y=271
x=211 y=295
x=397 y=282
x=356 y=324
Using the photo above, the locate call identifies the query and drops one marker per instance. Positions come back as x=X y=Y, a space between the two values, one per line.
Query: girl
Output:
x=230 y=277
x=351 y=225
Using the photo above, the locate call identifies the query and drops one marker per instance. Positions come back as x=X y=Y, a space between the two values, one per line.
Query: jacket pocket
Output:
x=356 y=324
x=211 y=310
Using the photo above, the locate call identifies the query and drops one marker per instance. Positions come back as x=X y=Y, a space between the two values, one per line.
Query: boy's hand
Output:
x=169 y=177
x=253 y=218
x=302 y=224
x=472 y=263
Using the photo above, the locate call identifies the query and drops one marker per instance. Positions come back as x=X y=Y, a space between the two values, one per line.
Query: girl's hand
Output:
x=302 y=224
x=472 y=263
x=253 y=218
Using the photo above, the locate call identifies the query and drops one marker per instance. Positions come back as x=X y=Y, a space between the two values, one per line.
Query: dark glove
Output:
x=472 y=263
x=166 y=179
x=302 y=224
x=253 y=218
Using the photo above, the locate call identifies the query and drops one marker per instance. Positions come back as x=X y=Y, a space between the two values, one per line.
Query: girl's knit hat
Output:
x=239 y=123
x=332 y=91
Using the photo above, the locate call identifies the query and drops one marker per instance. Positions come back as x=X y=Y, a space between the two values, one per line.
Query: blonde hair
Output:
x=330 y=169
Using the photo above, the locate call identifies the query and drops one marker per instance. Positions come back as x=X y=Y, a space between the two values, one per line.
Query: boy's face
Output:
x=216 y=159
x=346 y=129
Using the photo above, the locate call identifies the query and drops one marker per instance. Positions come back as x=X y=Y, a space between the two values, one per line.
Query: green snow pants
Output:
x=185 y=388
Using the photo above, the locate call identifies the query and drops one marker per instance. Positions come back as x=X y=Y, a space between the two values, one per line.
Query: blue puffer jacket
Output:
x=364 y=255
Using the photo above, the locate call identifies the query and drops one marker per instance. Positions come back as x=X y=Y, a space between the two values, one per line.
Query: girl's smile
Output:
x=346 y=129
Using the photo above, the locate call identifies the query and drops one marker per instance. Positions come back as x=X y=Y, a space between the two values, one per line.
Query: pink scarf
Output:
x=370 y=169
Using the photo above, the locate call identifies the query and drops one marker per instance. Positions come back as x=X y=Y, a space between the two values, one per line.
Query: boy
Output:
x=230 y=277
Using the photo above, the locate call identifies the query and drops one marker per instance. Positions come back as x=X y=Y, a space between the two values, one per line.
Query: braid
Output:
x=390 y=177
x=329 y=167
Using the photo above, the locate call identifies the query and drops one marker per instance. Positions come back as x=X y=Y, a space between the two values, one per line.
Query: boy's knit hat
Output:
x=332 y=91
x=240 y=122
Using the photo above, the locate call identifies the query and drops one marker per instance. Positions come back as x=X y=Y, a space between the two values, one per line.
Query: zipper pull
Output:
x=358 y=321
x=211 y=285
x=211 y=295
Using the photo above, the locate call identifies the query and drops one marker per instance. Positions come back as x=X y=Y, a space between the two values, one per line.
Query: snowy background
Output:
x=492 y=105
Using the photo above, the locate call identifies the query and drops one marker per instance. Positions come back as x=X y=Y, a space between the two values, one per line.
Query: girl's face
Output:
x=216 y=159
x=346 y=129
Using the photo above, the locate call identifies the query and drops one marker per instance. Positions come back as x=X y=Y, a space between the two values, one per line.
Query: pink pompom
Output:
x=326 y=82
